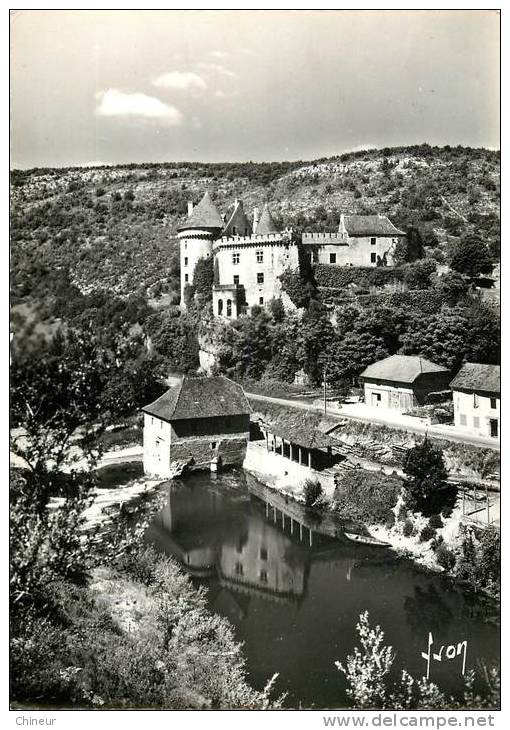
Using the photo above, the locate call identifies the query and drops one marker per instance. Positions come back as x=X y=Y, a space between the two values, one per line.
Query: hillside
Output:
x=114 y=227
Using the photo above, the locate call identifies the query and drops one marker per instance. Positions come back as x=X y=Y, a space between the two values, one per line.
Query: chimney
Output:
x=190 y=208
x=255 y=219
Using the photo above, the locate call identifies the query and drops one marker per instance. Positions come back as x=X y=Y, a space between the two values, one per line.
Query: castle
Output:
x=249 y=256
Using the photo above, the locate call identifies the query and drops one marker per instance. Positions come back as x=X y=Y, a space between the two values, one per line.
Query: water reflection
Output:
x=213 y=533
x=294 y=595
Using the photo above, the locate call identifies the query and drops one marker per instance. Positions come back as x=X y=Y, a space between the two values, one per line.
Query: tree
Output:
x=425 y=486
x=453 y=285
x=417 y=274
x=410 y=248
x=470 y=256
x=203 y=277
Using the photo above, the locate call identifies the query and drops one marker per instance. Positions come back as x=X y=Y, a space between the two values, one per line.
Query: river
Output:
x=295 y=605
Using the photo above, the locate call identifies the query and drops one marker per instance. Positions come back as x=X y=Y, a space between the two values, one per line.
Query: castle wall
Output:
x=355 y=251
x=194 y=245
x=265 y=258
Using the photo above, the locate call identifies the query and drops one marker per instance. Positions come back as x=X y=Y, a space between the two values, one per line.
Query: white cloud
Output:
x=218 y=69
x=181 y=80
x=220 y=55
x=115 y=103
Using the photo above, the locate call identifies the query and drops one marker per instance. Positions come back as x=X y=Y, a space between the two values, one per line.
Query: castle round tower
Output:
x=196 y=235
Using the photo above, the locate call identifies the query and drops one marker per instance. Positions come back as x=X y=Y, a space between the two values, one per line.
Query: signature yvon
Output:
x=445 y=653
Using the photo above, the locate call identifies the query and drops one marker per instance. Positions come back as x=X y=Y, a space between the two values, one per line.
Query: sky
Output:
x=120 y=86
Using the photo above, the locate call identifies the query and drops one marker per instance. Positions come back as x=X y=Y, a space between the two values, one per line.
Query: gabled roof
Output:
x=301 y=428
x=401 y=368
x=370 y=225
x=266 y=223
x=477 y=377
x=239 y=221
x=200 y=397
x=204 y=215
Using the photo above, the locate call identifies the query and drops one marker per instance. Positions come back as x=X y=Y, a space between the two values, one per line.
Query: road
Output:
x=435 y=431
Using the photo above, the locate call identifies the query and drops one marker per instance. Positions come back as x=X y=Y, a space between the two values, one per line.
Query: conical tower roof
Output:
x=204 y=215
x=266 y=223
x=238 y=223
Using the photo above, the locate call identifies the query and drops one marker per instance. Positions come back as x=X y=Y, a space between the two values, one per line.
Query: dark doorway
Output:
x=494 y=427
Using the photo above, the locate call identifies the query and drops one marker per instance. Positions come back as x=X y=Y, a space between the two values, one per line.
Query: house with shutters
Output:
x=203 y=423
x=476 y=399
x=401 y=382
x=361 y=240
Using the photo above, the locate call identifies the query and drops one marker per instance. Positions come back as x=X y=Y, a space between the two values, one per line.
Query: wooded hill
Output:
x=114 y=227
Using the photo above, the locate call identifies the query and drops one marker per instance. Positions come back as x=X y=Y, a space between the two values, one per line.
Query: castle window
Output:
x=260 y=257
x=213 y=444
x=332 y=258
x=373 y=241
x=476 y=400
x=245 y=231
x=476 y=421
x=462 y=419
x=263 y=553
x=373 y=258
x=220 y=307
x=260 y=277
x=239 y=569
x=261 y=300
x=493 y=403
x=229 y=307
x=235 y=258
x=234 y=230
x=185 y=261
x=186 y=278
x=236 y=278
x=263 y=576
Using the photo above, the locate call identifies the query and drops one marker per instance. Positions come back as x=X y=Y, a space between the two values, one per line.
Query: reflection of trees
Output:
x=427 y=610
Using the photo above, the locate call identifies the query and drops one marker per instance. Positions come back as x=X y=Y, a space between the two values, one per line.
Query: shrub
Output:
x=427 y=533
x=367 y=496
x=312 y=490
x=408 y=528
x=445 y=557
x=338 y=277
x=435 y=521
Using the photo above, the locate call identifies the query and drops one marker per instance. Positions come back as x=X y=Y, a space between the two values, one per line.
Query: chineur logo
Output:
x=445 y=653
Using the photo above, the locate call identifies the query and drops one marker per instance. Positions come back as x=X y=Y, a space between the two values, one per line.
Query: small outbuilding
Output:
x=401 y=382
x=476 y=398
x=203 y=423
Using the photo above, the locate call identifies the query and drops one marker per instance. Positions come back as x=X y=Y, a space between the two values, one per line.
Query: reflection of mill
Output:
x=249 y=545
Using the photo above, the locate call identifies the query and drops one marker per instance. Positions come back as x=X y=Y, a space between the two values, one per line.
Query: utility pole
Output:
x=325 y=393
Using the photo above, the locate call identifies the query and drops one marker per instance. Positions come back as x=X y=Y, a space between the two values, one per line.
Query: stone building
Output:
x=361 y=240
x=247 y=266
x=203 y=422
x=476 y=399
x=248 y=255
x=196 y=235
x=401 y=382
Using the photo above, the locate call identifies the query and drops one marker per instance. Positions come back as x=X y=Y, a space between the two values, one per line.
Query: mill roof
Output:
x=266 y=223
x=401 y=368
x=302 y=429
x=239 y=221
x=200 y=397
x=477 y=377
x=204 y=215
x=370 y=225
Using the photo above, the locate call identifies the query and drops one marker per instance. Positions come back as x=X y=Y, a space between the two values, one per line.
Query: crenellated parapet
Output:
x=283 y=238
x=339 y=239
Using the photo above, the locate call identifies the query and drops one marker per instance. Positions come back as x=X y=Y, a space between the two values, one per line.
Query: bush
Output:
x=408 y=528
x=445 y=557
x=427 y=533
x=338 y=277
x=367 y=496
x=435 y=521
x=312 y=490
